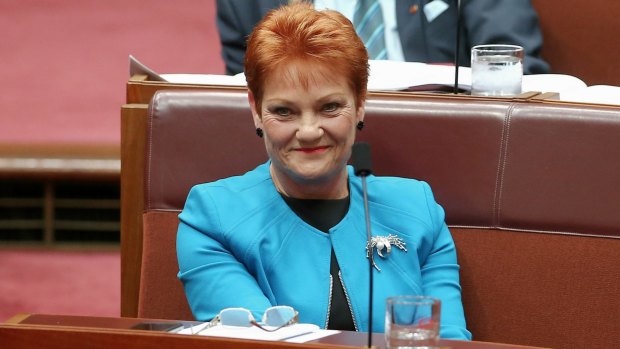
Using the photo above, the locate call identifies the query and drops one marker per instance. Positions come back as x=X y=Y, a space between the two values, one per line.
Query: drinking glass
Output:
x=496 y=70
x=412 y=322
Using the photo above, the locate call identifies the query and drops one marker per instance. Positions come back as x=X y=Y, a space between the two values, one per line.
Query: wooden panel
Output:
x=53 y=337
x=60 y=161
x=140 y=90
x=58 y=150
x=133 y=140
x=54 y=212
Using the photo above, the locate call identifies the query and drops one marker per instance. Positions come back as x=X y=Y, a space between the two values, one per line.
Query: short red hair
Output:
x=299 y=33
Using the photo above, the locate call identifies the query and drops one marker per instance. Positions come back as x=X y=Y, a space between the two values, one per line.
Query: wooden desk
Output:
x=61 y=331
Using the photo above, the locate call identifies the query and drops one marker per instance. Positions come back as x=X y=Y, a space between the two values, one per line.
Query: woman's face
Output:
x=308 y=130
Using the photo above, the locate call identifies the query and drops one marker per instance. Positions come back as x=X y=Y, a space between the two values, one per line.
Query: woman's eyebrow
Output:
x=280 y=101
x=331 y=96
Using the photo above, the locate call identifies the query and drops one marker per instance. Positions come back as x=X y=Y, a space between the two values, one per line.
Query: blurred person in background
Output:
x=414 y=30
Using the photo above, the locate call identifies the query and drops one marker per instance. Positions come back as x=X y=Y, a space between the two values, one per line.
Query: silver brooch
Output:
x=381 y=243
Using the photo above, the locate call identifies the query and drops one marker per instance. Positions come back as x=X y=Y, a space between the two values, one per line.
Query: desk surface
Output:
x=63 y=331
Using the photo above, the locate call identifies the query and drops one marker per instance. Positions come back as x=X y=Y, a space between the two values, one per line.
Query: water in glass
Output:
x=496 y=76
x=408 y=337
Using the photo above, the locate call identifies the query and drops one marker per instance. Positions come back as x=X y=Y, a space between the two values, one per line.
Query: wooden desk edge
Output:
x=80 y=327
x=26 y=336
x=17 y=318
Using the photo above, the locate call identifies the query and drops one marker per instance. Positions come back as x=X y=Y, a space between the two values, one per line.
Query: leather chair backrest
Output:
x=498 y=163
x=579 y=36
x=531 y=193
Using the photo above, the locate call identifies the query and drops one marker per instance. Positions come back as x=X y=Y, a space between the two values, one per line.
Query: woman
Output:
x=291 y=231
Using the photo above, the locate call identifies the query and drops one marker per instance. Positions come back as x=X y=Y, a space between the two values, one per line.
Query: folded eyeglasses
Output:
x=273 y=319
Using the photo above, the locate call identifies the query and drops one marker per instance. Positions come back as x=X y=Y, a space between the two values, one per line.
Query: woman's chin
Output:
x=314 y=176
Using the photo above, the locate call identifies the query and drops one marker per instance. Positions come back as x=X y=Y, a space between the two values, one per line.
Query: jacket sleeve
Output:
x=506 y=22
x=211 y=274
x=232 y=33
x=440 y=274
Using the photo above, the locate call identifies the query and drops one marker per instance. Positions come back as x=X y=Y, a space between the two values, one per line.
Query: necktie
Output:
x=368 y=22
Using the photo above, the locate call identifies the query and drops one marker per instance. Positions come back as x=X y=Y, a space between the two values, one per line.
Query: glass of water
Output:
x=412 y=322
x=496 y=70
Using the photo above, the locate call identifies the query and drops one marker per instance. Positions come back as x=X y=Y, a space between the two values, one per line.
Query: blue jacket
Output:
x=240 y=245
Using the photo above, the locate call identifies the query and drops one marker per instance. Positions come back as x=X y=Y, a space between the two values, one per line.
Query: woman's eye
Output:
x=281 y=111
x=331 y=107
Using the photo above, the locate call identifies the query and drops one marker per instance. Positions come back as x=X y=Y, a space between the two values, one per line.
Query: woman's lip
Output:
x=312 y=150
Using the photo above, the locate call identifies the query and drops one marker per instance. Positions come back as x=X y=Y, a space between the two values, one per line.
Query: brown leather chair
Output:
x=531 y=192
x=212 y=137
x=580 y=38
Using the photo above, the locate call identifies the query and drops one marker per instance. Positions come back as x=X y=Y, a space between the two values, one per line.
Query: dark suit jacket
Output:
x=484 y=22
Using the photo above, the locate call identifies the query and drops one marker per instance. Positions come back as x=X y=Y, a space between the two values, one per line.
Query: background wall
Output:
x=63 y=69
x=63 y=64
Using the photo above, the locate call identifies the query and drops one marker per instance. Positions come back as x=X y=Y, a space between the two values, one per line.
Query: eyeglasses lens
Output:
x=278 y=316
x=236 y=317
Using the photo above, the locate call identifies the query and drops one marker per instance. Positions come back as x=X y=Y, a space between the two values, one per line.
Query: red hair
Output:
x=298 y=33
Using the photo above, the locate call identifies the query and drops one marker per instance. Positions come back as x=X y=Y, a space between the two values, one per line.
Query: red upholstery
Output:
x=548 y=290
x=560 y=171
x=215 y=131
x=579 y=38
x=161 y=294
x=531 y=192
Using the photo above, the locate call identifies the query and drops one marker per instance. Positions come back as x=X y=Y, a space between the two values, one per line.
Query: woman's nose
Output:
x=309 y=129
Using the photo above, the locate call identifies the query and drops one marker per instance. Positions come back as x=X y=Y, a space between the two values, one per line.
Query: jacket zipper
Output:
x=346 y=295
x=329 y=303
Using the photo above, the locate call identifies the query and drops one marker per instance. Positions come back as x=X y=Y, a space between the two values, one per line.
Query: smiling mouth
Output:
x=313 y=150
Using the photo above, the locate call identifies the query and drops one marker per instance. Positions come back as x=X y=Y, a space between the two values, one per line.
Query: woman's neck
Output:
x=332 y=188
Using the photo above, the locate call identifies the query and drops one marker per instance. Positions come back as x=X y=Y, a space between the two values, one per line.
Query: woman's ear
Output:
x=255 y=115
x=361 y=111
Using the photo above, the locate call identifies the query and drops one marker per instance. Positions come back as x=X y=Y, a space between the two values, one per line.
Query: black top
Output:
x=322 y=215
